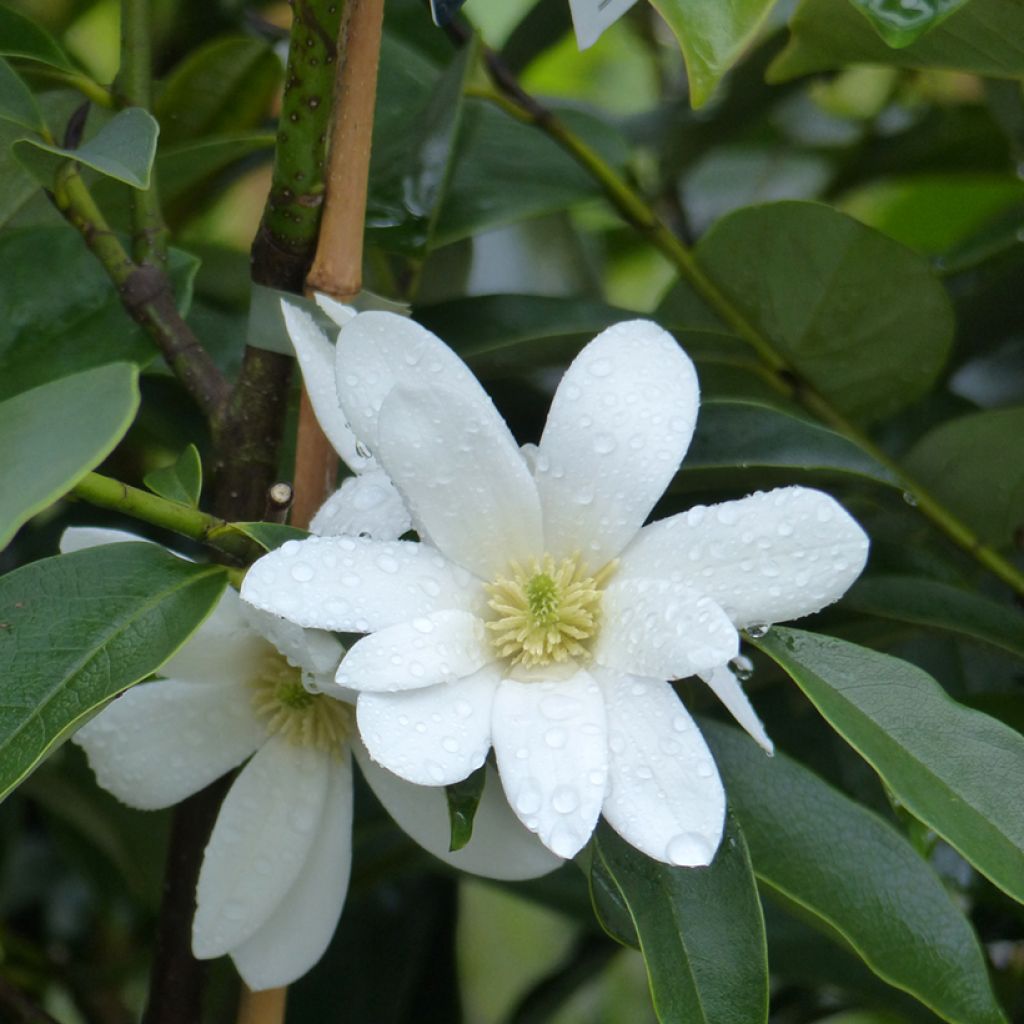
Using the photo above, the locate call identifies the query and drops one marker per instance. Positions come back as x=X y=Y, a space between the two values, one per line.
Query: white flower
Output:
x=275 y=873
x=538 y=614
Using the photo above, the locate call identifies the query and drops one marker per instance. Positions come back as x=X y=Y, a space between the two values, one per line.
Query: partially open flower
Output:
x=537 y=614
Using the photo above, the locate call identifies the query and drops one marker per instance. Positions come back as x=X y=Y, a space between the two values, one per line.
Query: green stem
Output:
x=105 y=492
x=133 y=88
x=641 y=215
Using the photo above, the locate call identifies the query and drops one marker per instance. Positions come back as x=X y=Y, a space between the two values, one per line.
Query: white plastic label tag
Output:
x=591 y=17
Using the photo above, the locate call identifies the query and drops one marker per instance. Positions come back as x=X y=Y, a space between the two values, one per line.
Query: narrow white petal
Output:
x=499 y=848
x=551 y=746
x=315 y=651
x=431 y=649
x=354 y=585
x=260 y=842
x=78 y=538
x=727 y=689
x=161 y=742
x=664 y=794
x=298 y=932
x=337 y=311
x=432 y=736
x=378 y=352
x=367 y=505
x=620 y=423
x=462 y=476
x=316 y=360
x=662 y=629
x=770 y=557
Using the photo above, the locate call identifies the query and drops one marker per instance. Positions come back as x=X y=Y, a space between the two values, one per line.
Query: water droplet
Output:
x=565 y=800
x=705 y=769
x=463 y=708
x=451 y=744
x=528 y=799
x=302 y=819
x=423 y=625
x=757 y=630
x=604 y=444
x=301 y=572
x=386 y=563
x=743 y=667
x=910 y=499
x=600 y=368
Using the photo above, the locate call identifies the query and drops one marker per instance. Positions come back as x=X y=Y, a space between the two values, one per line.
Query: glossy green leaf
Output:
x=55 y=434
x=181 y=481
x=463 y=800
x=742 y=435
x=17 y=186
x=700 y=929
x=17 y=103
x=76 y=630
x=899 y=23
x=123 y=149
x=925 y=602
x=183 y=167
x=22 y=37
x=948 y=765
x=713 y=36
x=972 y=465
x=227 y=85
x=62 y=314
x=985 y=37
x=857 y=876
x=862 y=318
x=271 y=535
x=412 y=162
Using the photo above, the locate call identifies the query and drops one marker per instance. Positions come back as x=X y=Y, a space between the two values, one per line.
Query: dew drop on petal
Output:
x=301 y=572
x=565 y=799
x=600 y=368
x=555 y=737
x=757 y=630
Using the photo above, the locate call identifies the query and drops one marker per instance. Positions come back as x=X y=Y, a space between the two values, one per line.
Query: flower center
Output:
x=289 y=709
x=547 y=611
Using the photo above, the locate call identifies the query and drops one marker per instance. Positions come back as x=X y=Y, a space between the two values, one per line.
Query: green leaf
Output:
x=184 y=167
x=947 y=764
x=899 y=24
x=743 y=435
x=857 y=876
x=227 y=85
x=700 y=929
x=463 y=800
x=55 y=434
x=713 y=36
x=17 y=186
x=62 y=314
x=122 y=149
x=181 y=481
x=76 y=630
x=925 y=602
x=862 y=318
x=412 y=163
x=21 y=37
x=271 y=535
x=17 y=103
x=985 y=37
x=968 y=464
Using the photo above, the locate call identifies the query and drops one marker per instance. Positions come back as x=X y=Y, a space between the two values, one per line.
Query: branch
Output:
x=145 y=293
x=636 y=211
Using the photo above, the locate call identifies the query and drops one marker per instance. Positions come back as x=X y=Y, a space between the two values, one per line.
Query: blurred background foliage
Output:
x=508 y=250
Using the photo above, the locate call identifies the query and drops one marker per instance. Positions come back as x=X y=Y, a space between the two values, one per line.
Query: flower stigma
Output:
x=288 y=709
x=547 y=612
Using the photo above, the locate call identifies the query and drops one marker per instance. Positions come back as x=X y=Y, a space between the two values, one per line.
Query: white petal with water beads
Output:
x=366 y=505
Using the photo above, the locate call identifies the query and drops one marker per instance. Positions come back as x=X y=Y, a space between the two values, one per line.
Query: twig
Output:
x=636 y=211
x=264 y=1007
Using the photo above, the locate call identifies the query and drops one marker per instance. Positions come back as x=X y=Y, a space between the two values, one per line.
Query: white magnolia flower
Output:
x=537 y=614
x=275 y=872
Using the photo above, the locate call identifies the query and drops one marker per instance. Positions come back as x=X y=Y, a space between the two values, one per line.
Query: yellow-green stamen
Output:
x=290 y=710
x=547 y=611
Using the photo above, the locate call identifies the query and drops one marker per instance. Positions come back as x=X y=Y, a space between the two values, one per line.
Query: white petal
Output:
x=462 y=476
x=727 y=689
x=316 y=360
x=378 y=352
x=354 y=585
x=224 y=648
x=551 y=746
x=620 y=422
x=337 y=311
x=499 y=848
x=315 y=651
x=662 y=629
x=298 y=932
x=367 y=505
x=161 y=742
x=430 y=649
x=260 y=842
x=766 y=558
x=664 y=795
x=78 y=538
x=433 y=736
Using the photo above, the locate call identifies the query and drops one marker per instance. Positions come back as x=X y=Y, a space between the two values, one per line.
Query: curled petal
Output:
x=727 y=689
x=664 y=794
